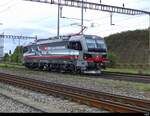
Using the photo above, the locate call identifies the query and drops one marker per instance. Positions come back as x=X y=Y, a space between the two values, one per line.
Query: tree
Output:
x=113 y=59
x=17 y=54
x=6 y=57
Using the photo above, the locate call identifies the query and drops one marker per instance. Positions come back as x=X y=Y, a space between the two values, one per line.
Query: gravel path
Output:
x=37 y=100
x=8 y=105
x=137 y=90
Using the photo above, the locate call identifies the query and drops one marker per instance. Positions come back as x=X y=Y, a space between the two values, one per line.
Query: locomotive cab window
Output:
x=75 y=45
x=25 y=49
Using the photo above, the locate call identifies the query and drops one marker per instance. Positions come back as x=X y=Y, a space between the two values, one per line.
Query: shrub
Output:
x=113 y=59
x=6 y=57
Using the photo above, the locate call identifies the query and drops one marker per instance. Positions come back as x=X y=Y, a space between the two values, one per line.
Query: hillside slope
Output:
x=129 y=47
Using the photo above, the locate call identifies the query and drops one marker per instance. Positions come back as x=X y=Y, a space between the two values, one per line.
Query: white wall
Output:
x=1 y=47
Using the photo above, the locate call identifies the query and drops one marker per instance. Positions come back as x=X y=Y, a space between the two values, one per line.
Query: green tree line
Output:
x=129 y=47
x=125 y=47
x=15 y=57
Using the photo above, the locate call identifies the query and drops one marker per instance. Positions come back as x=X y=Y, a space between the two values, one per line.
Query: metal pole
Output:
x=149 y=40
x=110 y=18
x=58 y=21
x=82 y=18
x=1 y=48
x=19 y=49
x=111 y=22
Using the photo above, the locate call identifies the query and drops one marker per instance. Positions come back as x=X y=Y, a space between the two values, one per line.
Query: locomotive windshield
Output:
x=95 y=44
x=101 y=44
x=91 y=43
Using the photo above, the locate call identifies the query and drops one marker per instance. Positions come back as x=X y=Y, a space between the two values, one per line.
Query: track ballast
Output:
x=113 y=103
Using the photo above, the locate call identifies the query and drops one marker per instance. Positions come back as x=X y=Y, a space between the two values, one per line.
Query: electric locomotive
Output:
x=73 y=53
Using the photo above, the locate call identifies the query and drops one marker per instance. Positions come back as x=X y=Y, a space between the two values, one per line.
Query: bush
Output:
x=16 y=56
x=113 y=59
x=6 y=57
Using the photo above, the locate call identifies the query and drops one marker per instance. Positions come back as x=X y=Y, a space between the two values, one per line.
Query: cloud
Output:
x=31 y=18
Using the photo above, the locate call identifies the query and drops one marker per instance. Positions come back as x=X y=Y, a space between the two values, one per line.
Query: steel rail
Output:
x=129 y=74
x=140 y=78
x=125 y=76
x=88 y=97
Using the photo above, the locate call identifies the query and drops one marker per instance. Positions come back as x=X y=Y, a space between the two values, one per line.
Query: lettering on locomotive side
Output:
x=57 y=47
x=43 y=52
x=50 y=48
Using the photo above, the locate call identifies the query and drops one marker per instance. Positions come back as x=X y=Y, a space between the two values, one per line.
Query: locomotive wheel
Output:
x=31 y=65
x=45 y=67
x=72 y=68
x=78 y=70
x=40 y=66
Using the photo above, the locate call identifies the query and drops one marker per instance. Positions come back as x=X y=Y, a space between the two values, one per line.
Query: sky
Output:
x=27 y=18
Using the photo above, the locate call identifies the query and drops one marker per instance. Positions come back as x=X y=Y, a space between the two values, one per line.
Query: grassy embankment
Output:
x=7 y=65
x=121 y=70
x=129 y=49
x=129 y=70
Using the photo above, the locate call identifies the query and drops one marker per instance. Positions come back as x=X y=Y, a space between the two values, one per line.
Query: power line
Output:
x=122 y=27
x=6 y=3
x=94 y=6
x=8 y=8
x=122 y=20
x=136 y=2
x=16 y=37
x=74 y=18
x=103 y=18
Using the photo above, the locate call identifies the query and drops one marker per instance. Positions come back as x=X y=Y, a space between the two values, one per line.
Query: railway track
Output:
x=114 y=76
x=113 y=103
x=125 y=77
x=111 y=75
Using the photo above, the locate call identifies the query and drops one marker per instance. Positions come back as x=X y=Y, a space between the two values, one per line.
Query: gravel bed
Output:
x=8 y=105
x=50 y=103
x=137 y=90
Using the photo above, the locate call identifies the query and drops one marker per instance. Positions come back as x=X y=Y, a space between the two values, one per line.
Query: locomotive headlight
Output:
x=84 y=57
x=97 y=57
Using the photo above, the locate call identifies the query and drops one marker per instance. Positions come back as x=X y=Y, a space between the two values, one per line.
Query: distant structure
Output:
x=123 y=5
x=1 y=49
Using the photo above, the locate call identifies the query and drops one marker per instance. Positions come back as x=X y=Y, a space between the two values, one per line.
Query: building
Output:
x=1 y=48
x=1 y=52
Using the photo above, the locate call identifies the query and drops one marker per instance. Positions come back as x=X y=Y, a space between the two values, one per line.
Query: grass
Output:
x=120 y=70
x=7 y=65
x=115 y=84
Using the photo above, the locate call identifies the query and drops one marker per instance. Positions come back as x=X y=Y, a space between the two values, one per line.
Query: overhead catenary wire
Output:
x=122 y=28
x=8 y=8
x=6 y=3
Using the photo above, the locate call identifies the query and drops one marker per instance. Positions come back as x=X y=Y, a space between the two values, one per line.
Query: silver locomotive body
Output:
x=77 y=53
